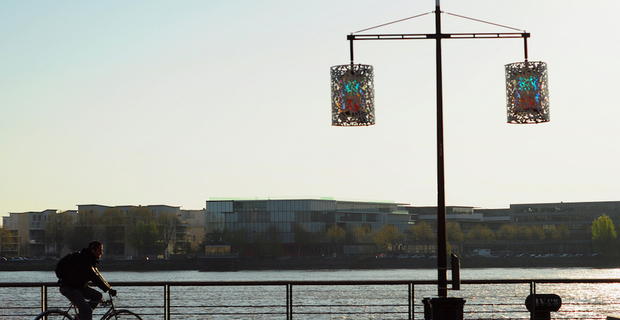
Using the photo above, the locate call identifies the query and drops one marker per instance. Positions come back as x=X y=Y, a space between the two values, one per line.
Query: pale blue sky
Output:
x=176 y=102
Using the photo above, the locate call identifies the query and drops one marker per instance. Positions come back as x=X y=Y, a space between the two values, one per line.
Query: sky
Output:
x=179 y=102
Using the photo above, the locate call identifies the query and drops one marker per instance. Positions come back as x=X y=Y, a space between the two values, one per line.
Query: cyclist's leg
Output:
x=77 y=297
x=93 y=295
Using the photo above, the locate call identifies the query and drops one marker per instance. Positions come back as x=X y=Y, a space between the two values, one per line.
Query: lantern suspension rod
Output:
x=389 y=23
x=524 y=46
x=487 y=22
x=351 y=48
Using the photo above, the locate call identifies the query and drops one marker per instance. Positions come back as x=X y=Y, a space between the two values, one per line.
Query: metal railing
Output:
x=394 y=299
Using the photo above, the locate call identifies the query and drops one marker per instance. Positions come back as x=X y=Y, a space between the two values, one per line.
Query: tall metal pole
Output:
x=442 y=252
x=442 y=243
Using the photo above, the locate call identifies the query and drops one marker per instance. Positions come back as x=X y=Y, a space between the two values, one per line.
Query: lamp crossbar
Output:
x=420 y=36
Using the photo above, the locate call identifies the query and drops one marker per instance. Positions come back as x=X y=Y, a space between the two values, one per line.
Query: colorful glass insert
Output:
x=352 y=95
x=527 y=93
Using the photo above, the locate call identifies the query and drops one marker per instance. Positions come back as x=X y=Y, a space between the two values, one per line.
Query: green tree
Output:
x=604 y=236
x=387 y=237
x=5 y=240
x=335 y=234
x=455 y=235
x=143 y=238
x=563 y=232
x=524 y=233
x=558 y=233
x=363 y=234
x=87 y=227
x=139 y=214
x=421 y=232
x=113 y=221
x=508 y=233
x=538 y=234
x=481 y=233
x=190 y=250
x=454 y=232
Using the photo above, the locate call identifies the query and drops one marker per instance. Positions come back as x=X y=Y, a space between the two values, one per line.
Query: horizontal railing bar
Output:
x=497 y=309
x=509 y=281
x=227 y=314
x=378 y=312
x=315 y=283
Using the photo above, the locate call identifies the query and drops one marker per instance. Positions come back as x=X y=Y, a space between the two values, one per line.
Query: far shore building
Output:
x=301 y=225
x=285 y=221
x=28 y=230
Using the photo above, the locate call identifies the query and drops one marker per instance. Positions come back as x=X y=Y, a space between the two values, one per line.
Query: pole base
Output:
x=443 y=308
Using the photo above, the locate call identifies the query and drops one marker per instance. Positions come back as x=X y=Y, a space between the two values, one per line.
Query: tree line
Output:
x=388 y=239
x=149 y=234
x=139 y=227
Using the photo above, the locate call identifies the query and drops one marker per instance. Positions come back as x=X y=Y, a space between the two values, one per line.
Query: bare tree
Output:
x=167 y=224
x=58 y=229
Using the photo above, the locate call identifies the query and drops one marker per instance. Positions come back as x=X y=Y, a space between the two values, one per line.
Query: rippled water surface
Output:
x=485 y=301
x=268 y=275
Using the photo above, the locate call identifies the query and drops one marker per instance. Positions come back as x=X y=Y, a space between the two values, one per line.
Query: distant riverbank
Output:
x=315 y=264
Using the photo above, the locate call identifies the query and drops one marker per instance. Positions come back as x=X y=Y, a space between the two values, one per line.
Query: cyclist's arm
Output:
x=98 y=279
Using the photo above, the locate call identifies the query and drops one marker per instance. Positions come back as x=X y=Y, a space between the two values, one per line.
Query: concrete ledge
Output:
x=613 y=317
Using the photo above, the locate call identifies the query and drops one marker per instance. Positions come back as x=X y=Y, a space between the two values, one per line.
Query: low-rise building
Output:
x=287 y=221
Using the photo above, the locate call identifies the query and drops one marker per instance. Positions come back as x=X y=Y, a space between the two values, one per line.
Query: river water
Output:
x=309 y=275
x=496 y=301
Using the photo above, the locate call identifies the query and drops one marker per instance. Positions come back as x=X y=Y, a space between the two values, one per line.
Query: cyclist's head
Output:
x=96 y=248
x=94 y=245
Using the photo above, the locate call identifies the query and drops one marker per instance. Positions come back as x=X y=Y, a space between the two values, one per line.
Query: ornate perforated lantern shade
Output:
x=527 y=92
x=352 y=95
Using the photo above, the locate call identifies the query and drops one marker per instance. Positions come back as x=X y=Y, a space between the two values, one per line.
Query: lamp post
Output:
x=527 y=101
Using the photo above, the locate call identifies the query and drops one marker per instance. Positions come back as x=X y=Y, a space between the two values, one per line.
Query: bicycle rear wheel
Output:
x=54 y=315
x=123 y=315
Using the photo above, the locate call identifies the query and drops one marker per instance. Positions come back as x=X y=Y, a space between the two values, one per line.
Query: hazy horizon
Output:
x=141 y=103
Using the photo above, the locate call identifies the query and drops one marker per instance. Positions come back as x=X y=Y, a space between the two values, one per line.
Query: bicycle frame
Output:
x=72 y=311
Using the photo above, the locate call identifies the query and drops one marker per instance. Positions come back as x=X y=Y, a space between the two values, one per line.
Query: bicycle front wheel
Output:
x=123 y=315
x=54 y=315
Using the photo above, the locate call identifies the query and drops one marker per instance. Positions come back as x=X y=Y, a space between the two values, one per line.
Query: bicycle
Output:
x=111 y=314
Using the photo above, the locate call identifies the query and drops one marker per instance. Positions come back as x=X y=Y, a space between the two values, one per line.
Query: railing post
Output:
x=289 y=301
x=167 y=302
x=411 y=300
x=533 y=292
x=43 y=298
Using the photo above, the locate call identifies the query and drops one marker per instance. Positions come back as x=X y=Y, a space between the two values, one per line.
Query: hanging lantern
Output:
x=527 y=92
x=352 y=95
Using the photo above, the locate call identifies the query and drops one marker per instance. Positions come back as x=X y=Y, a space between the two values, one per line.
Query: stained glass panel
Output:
x=527 y=92
x=352 y=95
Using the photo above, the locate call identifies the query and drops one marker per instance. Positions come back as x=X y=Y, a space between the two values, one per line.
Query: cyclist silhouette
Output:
x=76 y=284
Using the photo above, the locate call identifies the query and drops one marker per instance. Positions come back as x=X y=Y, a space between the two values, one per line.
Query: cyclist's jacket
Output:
x=85 y=270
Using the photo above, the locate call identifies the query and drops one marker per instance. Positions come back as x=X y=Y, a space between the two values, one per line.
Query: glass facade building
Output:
x=255 y=217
